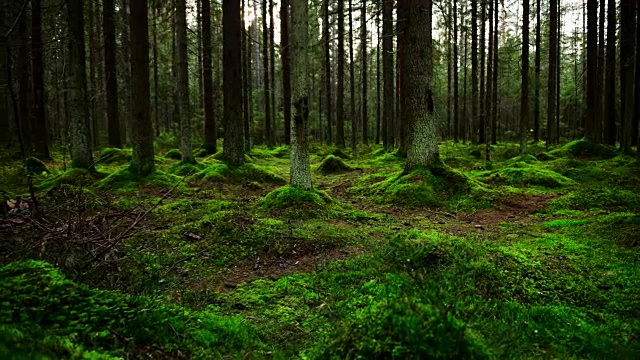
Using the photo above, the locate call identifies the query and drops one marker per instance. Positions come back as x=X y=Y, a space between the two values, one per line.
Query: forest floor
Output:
x=532 y=256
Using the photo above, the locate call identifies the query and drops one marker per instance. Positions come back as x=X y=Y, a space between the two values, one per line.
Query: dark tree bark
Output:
x=456 y=102
x=378 y=81
x=464 y=124
x=494 y=114
x=600 y=75
x=365 y=75
x=184 y=105
x=327 y=71
x=474 y=72
x=25 y=93
x=286 y=68
x=141 y=126
x=482 y=49
x=635 y=123
x=231 y=84
x=627 y=65
x=272 y=72
x=524 y=98
x=5 y=136
x=610 y=90
x=156 y=81
x=552 y=86
x=340 y=94
x=536 y=109
x=39 y=123
x=81 y=156
x=449 y=27
x=352 y=84
x=210 y=136
x=388 y=70
x=489 y=81
x=125 y=71
x=245 y=55
x=111 y=83
x=199 y=74
x=268 y=131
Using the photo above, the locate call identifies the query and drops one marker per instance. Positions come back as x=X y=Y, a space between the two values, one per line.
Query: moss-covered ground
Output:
x=525 y=257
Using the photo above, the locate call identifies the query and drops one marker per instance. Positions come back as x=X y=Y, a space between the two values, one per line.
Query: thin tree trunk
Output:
x=231 y=84
x=388 y=70
x=210 y=136
x=327 y=70
x=489 y=80
x=25 y=94
x=110 y=71
x=272 y=72
x=156 y=81
x=482 y=49
x=268 y=132
x=465 y=117
x=378 y=81
x=125 y=94
x=352 y=84
x=365 y=75
x=610 y=91
x=536 y=109
x=286 y=69
x=199 y=75
x=40 y=133
x=524 y=98
x=183 y=82
x=635 y=123
x=551 y=88
x=5 y=136
x=494 y=114
x=340 y=94
x=449 y=70
x=474 y=71
x=456 y=100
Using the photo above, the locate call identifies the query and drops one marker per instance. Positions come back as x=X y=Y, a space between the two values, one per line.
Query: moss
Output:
x=288 y=197
x=115 y=156
x=585 y=149
x=74 y=177
x=564 y=223
x=506 y=153
x=35 y=166
x=476 y=154
x=124 y=180
x=220 y=171
x=184 y=169
x=526 y=176
x=527 y=159
x=174 y=154
x=609 y=199
x=333 y=165
x=545 y=156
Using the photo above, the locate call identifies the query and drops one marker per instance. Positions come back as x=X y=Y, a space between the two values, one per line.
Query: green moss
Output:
x=558 y=224
x=115 y=156
x=262 y=152
x=526 y=176
x=288 y=197
x=184 y=169
x=585 y=149
x=545 y=156
x=35 y=166
x=610 y=199
x=174 y=154
x=527 y=159
x=333 y=165
x=74 y=177
x=124 y=180
x=220 y=171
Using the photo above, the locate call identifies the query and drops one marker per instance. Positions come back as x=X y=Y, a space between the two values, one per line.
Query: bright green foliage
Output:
x=114 y=155
x=220 y=171
x=184 y=169
x=585 y=149
x=332 y=164
x=260 y=152
x=610 y=199
x=556 y=224
x=174 y=154
x=288 y=197
x=523 y=175
x=124 y=180
x=35 y=166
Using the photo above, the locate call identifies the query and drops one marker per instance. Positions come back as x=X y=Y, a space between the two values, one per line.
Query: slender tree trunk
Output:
x=635 y=123
x=92 y=88
x=551 y=89
x=199 y=75
x=465 y=116
x=524 y=99
x=210 y=136
x=456 y=100
x=5 y=136
x=23 y=67
x=378 y=76
x=268 y=131
x=365 y=75
x=272 y=72
x=231 y=83
x=125 y=94
x=111 y=83
x=600 y=75
x=610 y=90
x=558 y=84
x=40 y=133
x=418 y=73
x=482 y=49
x=489 y=80
x=327 y=70
x=494 y=114
x=474 y=71
x=388 y=69
x=286 y=69
x=300 y=168
x=183 y=82
x=81 y=156
x=536 y=110
x=340 y=95
x=449 y=37
x=248 y=125
x=141 y=125
x=352 y=84
x=627 y=65
x=156 y=81
x=245 y=55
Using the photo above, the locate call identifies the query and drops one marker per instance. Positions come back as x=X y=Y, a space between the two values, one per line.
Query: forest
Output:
x=319 y=179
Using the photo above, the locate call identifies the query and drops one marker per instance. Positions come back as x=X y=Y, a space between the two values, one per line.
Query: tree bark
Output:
x=5 y=136
x=210 y=136
x=378 y=80
x=110 y=71
x=231 y=84
x=489 y=80
x=610 y=83
x=456 y=100
x=125 y=94
x=352 y=84
x=418 y=75
x=272 y=73
x=268 y=132
x=23 y=68
x=551 y=89
x=286 y=68
x=365 y=75
x=635 y=123
x=300 y=167
x=524 y=98
x=474 y=72
x=81 y=156
x=494 y=114
x=184 y=105
x=482 y=49
x=536 y=106
x=326 y=40
x=388 y=70
x=340 y=94
x=600 y=75
x=39 y=123
x=141 y=126
x=627 y=64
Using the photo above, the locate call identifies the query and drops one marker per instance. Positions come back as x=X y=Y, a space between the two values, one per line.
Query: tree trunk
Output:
x=231 y=83
x=156 y=81
x=300 y=168
x=125 y=94
x=272 y=73
x=378 y=81
x=81 y=156
x=286 y=69
x=456 y=100
x=388 y=70
x=25 y=93
x=184 y=104
x=465 y=118
x=489 y=80
x=141 y=126
x=210 y=136
x=365 y=75
x=352 y=84
x=340 y=95
x=494 y=114
x=5 y=136
x=524 y=98
x=418 y=74
x=536 y=106
x=268 y=132
x=635 y=123
x=248 y=121
x=39 y=123
x=200 y=70
x=326 y=40
x=474 y=71
x=627 y=65
x=551 y=89
x=610 y=91
x=600 y=75
x=482 y=49
x=111 y=79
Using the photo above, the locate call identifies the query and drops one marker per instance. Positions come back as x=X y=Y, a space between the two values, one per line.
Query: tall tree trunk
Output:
x=268 y=131
x=600 y=75
x=200 y=70
x=156 y=81
x=81 y=156
x=245 y=54
x=489 y=81
x=482 y=49
x=286 y=69
x=23 y=68
x=524 y=98
x=184 y=105
x=365 y=75
x=5 y=136
x=248 y=121
x=141 y=126
x=465 y=118
x=256 y=51
x=449 y=37
x=300 y=168
x=340 y=95
x=456 y=100
x=494 y=113
x=388 y=70
x=610 y=90
x=272 y=72
x=635 y=123
x=210 y=136
x=474 y=71
x=627 y=65
x=552 y=86
x=352 y=84
x=231 y=88
x=536 y=109
x=418 y=73
x=378 y=75
x=39 y=123
x=125 y=94
x=326 y=40
x=110 y=72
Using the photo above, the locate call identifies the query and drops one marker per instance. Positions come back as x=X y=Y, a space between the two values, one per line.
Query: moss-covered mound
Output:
x=35 y=166
x=523 y=176
x=174 y=154
x=545 y=156
x=288 y=197
x=124 y=180
x=115 y=156
x=74 y=177
x=333 y=165
x=585 y=149
x=608 y=199
x=184 y=169
x=44 y=315
x=220 y=171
